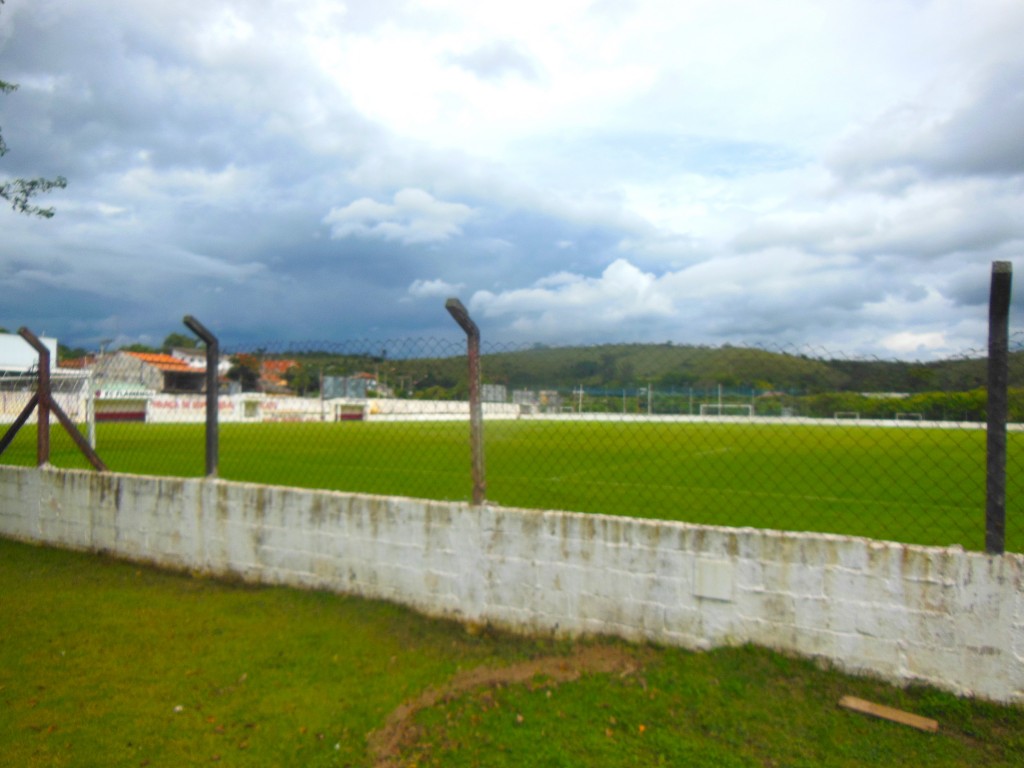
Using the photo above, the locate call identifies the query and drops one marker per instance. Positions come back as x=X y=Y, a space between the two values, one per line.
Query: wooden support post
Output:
x=888 y=713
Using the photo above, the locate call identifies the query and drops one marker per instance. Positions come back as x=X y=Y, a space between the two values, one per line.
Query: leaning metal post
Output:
x=998 y=373
x=43 y=399
x=43 y=392
x=476 y=417
x=19 y=422
x=212 y=392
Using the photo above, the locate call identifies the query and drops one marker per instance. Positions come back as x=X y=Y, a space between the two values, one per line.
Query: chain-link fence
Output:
x=783 y=438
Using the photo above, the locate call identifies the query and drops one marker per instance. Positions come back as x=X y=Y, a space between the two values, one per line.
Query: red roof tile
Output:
x=166 y=363
x=78 y=362
x=278 y=366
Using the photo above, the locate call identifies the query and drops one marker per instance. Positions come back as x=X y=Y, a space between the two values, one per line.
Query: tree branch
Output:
x=18 y=192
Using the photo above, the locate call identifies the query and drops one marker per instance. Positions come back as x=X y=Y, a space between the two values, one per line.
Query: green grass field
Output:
x=924 y=486
x=107 y=663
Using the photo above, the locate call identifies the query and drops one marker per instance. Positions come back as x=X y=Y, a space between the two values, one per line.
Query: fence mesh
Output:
x=783 y=438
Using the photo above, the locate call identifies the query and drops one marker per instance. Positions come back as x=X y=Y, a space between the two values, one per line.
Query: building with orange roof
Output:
x=278 y=367
x=273 y=375
x=78 y=363
x=149 y=370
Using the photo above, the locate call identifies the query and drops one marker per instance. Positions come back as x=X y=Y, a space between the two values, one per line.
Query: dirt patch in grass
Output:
x=400 y=731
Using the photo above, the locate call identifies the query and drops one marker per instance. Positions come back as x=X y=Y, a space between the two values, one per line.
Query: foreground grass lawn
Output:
x=106 y=663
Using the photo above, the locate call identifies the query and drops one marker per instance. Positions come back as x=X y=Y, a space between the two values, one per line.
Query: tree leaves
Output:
x=19 y=192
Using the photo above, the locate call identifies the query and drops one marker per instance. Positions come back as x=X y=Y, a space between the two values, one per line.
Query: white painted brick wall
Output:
x=943 y=616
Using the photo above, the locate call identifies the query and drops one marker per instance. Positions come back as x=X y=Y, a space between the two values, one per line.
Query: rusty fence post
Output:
x=998 y=376
x=212 y=393
x=476 y=416
x=43 y=391
x=43 y=400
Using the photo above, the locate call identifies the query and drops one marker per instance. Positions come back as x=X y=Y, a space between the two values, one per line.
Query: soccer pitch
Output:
x=916 y=485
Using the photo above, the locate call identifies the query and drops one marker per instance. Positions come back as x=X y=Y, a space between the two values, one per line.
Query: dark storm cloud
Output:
x=319 y=169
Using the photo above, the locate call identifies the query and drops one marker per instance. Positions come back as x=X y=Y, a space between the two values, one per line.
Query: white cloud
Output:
x=941 y=137
x=181 y=183
x=781 y=298
x=414 y=216
x=570 y=302
x=434 y=289
x=908 y=342
x=929 y=219
x=496 y=60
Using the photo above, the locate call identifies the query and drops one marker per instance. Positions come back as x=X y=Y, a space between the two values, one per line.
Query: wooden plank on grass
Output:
x=888 y=713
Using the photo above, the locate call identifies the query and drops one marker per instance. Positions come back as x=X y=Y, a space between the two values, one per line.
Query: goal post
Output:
x=909 y=417
x=70 y=389
x=846 y=415
x=726 y=409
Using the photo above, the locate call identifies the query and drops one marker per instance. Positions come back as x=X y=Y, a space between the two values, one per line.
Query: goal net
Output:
x=848 y=415
x=70 y=389
x=909 y=417
x=726 y=409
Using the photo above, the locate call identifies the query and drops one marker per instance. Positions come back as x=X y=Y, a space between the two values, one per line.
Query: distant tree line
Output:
x=617 y=377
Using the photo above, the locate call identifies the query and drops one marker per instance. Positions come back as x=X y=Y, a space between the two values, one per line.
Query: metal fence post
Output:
x=212 y=392
x=43 y=400
x=476 y=417
x=998 y=374
x=43 y=413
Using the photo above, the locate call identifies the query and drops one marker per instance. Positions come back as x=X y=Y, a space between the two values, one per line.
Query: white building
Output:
x=195 y=357
x=18 y=355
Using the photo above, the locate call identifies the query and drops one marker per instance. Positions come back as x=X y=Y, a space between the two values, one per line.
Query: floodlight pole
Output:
x=212 y=392
x=998 y=373
x=476 y=417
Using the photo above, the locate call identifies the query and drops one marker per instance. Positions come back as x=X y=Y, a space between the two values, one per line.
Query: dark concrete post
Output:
x=476 y=416
x=212 y=392
x=998 y=375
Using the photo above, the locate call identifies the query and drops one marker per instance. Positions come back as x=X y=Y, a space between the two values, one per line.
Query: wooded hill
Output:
x=441 y=370
x=676 y=367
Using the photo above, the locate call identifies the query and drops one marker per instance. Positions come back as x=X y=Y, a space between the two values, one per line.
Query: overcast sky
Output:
x=831 y=173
